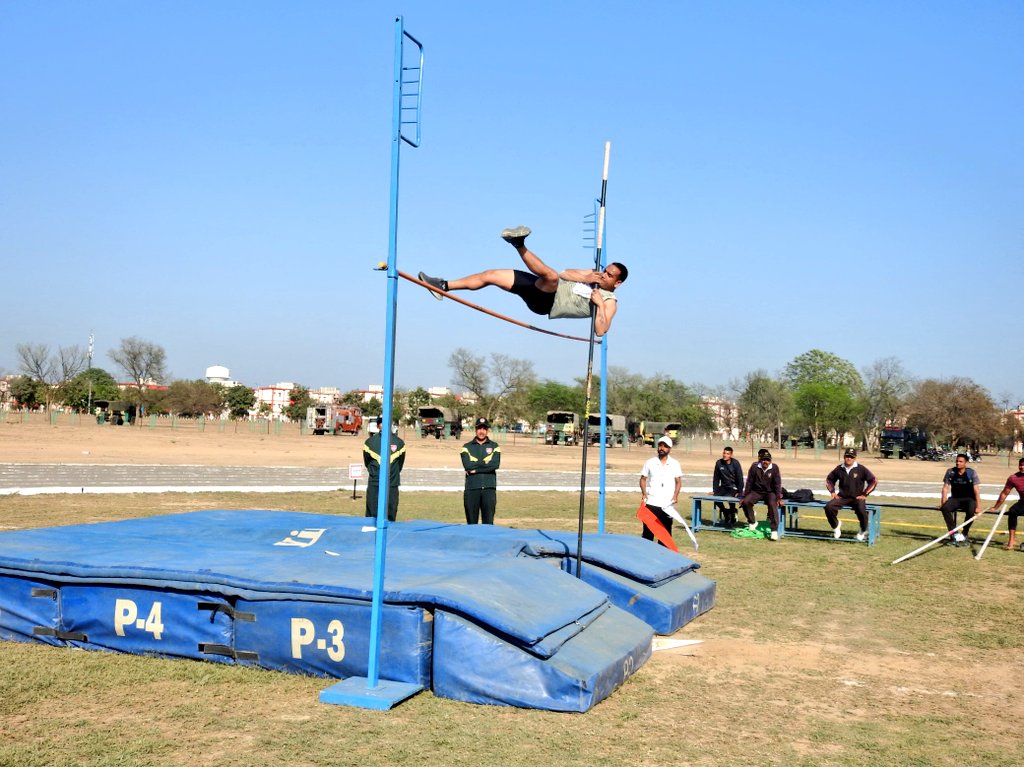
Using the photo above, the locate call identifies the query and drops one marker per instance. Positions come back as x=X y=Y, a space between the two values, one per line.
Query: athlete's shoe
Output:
x=775 y=535
x=436 y=282
x=837 y=533
x=516 y=237
x=752 y=526
x=862 y=536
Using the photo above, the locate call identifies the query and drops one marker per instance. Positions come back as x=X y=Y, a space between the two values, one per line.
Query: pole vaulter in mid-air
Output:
x=544 y=290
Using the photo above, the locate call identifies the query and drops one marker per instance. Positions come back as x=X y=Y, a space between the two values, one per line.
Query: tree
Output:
x=817 y=366
x=887 y=386
x=53 y=372
x=240 y=401
x=143 y=362
x=763 y=403
x=954 y=411
x=414 y=400
x=28 y=392
x=490 y=383
x=194 y=398
x=96 y=382
x=825 y=406
x=299 y=402
x=551 y=395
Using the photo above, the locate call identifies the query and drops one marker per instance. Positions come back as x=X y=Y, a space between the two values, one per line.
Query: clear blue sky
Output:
x=214 y=177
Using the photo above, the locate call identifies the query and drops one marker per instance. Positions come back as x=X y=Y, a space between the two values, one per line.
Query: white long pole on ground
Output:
x=937 y=540
x=991 y=532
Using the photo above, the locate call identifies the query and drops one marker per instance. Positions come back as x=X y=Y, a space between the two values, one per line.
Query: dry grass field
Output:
x=816 y=653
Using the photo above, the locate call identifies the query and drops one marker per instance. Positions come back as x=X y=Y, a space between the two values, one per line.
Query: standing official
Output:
x=850 y=484
x=481 y=458
x=661 y=479
x=371 y=460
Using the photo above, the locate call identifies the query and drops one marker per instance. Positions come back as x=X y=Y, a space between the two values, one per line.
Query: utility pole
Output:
x=88 y=408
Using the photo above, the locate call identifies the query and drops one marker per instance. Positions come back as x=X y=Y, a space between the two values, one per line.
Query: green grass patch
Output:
x=817 y=653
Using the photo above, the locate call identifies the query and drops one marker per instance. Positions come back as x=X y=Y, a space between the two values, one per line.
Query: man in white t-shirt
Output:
x=661 y=479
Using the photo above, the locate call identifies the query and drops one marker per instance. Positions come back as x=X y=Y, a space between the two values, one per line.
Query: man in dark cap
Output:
x=395 y=451
x=850 y=485
x=481 y=457
x=764 y=484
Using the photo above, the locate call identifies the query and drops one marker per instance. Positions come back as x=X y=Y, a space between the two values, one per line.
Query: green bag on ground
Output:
x=763 y=530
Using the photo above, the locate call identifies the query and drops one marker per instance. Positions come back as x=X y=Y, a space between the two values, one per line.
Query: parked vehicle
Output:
x=348 y=419
x=334 y=419
x=115 y=412
x=439 y=422
x=651 y=430
x=561 y=426
x=903 y=443
x=615 y=429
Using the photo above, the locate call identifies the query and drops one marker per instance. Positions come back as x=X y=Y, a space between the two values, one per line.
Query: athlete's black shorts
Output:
x=525 y=286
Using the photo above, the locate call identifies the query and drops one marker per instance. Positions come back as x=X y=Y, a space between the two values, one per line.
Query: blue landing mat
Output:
x=476 y=613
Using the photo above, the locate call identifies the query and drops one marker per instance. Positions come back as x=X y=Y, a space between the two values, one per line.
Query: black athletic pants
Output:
x=859 y=508
x=665 y=520
x=479 y=504
x=952 y=506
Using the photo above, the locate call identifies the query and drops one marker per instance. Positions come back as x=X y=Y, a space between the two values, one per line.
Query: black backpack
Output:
x=798 y=496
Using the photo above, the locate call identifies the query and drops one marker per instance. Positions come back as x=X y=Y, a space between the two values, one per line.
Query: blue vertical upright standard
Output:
x=373 y=692
x=600 y=259
x=590 y=366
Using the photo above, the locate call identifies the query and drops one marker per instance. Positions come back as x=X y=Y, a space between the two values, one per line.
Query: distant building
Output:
x=218 y=374
x=726 y=418
x=275 y=398
x=325 y=395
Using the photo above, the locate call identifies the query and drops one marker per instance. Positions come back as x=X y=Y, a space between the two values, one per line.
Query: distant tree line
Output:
x=818 y=396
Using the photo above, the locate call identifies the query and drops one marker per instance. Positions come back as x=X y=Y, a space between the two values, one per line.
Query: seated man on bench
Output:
x=764 y=483
x=850 y=485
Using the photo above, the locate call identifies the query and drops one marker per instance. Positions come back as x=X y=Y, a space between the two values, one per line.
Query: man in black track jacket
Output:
x=850 y=484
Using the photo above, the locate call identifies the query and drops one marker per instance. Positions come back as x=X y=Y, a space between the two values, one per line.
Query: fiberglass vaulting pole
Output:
x=590 y=367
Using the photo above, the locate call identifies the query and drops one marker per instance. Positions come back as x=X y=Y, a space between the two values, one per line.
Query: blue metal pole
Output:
x=602 y=259
x=380 y=551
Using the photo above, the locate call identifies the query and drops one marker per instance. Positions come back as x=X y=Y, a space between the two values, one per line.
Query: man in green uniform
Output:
x=371 y=459
x=481 y=458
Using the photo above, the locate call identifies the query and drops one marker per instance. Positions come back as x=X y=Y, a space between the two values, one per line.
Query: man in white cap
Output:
x=661 y=479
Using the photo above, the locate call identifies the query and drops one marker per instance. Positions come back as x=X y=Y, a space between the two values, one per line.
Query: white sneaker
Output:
x=861 y=537
x=775 y=535
x=958 y=537
x=837 y=533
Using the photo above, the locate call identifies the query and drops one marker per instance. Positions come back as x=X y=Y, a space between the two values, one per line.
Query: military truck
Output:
x=439 y=422
x=114 y=412
x=651 y=430
x=615 y=429
x=903 y=443
x=563 y=427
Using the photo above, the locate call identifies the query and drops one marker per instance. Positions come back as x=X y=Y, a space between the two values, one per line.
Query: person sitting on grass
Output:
x=545 y=291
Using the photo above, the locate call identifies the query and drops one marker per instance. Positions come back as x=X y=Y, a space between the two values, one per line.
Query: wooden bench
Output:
x=789 y=518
